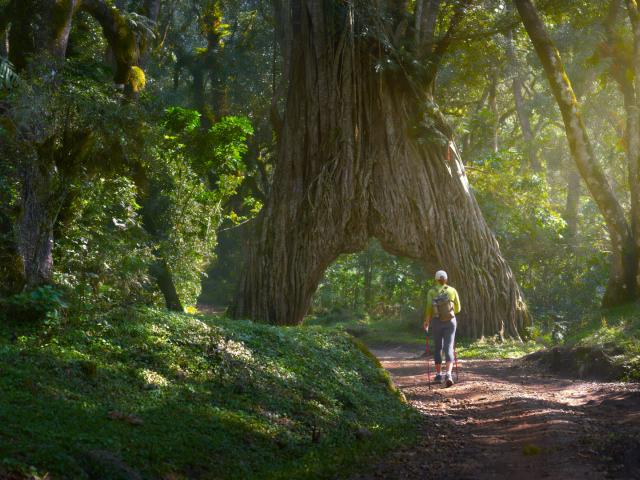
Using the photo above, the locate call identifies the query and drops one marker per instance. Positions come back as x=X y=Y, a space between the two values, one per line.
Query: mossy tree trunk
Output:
x=362 y=154
x=624 y=281
x=38 y=34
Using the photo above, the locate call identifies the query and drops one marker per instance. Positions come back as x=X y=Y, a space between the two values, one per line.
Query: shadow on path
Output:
x=502 y=420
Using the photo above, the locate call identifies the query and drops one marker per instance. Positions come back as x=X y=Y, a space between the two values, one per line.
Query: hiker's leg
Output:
x=437 y=345
x=448 y=336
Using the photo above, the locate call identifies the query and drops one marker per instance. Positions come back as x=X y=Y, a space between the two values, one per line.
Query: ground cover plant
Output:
x=184 y=396
x=407 y=331
x=613 y=333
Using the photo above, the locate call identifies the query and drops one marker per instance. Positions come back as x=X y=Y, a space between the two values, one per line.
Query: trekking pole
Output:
x=455 y=358
x=426 y=354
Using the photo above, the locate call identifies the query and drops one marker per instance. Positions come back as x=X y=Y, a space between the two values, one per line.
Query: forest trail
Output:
x=503 y=420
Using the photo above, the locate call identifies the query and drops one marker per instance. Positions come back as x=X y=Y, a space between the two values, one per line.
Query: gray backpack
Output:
x=442 y=306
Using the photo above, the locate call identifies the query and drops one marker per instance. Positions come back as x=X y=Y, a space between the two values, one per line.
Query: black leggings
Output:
x=443 y=334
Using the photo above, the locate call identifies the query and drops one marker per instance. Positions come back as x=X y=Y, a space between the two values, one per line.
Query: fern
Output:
x=8 y=76
x=140 y=24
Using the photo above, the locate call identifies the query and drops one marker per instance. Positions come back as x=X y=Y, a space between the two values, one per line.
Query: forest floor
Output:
x=505 y=418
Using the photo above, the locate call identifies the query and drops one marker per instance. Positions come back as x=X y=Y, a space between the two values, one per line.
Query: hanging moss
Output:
x=137 y=79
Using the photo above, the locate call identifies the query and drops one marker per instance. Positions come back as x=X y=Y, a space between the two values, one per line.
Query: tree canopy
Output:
x=141 y=137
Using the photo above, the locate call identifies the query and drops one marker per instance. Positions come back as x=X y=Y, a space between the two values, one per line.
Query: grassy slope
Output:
x=215 y=399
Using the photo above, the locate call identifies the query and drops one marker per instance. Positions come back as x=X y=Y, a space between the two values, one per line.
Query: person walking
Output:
x=443 y=303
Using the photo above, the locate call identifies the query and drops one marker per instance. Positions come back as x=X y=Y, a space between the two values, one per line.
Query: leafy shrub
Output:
x=102 y=253
x=41 y=304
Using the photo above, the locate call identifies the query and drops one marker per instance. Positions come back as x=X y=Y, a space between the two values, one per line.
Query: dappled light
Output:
x=319 y=239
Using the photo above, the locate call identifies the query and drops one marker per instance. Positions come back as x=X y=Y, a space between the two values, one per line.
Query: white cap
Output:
x=441 y=274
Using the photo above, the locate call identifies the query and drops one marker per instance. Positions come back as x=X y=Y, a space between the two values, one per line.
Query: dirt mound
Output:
x=580 y=362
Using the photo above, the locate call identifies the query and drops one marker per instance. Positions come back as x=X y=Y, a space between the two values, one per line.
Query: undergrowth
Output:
x=408 y=331
x=186 y=396
x=616 y=331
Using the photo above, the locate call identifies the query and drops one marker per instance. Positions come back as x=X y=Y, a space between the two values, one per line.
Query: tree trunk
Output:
x=161 y=273
x=38 y=36
x=521 y=110
x=493 y=107
x=39 y=27
x=4 y=43
x=633 y=136
x=363 y=155
x=41 y=200
x=149 y=193
x=39 y=32
x=623 y=283
x=425 y=25
x=573 y=204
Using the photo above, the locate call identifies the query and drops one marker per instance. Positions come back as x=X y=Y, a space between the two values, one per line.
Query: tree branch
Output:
x=121 y=38
x=443 y=44
x=426 y=19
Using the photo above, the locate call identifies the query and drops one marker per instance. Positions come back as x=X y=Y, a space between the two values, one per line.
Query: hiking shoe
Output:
x=437 y=378
x=448 y=381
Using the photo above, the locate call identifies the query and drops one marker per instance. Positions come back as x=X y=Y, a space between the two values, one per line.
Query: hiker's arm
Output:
x=456 y=303
x=428 y=312
x=427 y=318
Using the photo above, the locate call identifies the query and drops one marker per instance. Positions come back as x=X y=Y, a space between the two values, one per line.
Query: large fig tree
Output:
x=364 y=152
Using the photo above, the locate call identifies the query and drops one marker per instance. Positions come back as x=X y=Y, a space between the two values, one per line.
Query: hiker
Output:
x=443 y=303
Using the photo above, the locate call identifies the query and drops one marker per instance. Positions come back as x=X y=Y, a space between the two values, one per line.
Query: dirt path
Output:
x=502 y=420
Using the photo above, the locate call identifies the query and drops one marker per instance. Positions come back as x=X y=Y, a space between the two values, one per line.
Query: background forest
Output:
x=154 y=180
x=165 y=166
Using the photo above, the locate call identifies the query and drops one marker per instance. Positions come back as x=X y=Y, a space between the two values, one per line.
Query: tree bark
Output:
x=39 y=27
x=633 y=135
x=41 y=200
x=573 y=203
x=623 y=282
x=426 y=17
x=36 y=38
x=149 y=198
x=361 y=156
x=122 y=40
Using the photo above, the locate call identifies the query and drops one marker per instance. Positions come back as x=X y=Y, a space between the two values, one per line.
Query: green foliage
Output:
x=40 y=304
x=193 y=174
x=373 y=331
x=173 y=394
x=185 y=215
x=551 y=268
x=395 y=287
x=492 y=348
x=179 y=120
x=103 y=254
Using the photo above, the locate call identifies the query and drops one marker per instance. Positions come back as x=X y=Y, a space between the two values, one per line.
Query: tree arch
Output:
x=364 y=152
